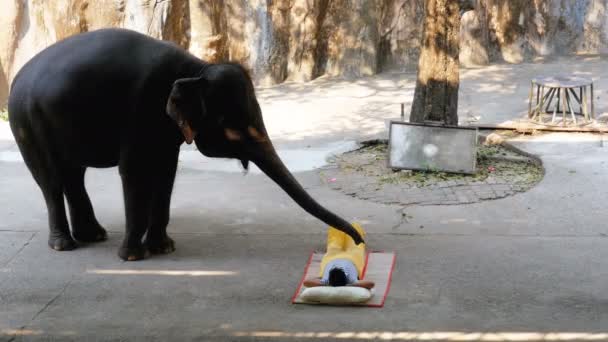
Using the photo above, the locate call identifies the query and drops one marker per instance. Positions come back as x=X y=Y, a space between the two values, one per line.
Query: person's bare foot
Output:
x=367 y=284
x=313 y=282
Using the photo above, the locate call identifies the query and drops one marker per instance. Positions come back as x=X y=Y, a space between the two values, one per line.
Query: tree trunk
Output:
x=436 y=94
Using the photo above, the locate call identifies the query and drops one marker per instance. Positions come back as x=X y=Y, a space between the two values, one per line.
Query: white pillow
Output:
x=336 y=295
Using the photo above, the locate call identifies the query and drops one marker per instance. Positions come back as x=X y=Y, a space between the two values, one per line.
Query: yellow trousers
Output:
x=341 y=246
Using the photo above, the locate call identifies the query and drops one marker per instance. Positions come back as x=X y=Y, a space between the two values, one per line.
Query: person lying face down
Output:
x=343 y=263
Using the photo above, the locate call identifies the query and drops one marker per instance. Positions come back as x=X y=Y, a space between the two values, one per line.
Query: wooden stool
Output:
x=565 y=87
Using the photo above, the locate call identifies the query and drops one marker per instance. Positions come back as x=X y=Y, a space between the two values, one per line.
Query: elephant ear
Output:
x=186 y=106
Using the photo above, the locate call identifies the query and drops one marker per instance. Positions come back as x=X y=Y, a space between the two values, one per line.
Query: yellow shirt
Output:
x=341 y=246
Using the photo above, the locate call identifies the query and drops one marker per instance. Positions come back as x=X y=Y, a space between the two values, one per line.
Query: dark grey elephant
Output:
x=116 y=97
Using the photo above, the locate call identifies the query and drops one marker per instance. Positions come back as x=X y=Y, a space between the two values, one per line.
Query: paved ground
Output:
x=527 y=267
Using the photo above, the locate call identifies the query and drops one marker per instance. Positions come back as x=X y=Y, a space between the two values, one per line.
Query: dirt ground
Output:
x=364 y=173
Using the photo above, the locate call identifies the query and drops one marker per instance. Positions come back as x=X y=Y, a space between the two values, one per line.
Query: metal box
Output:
x=429 y=147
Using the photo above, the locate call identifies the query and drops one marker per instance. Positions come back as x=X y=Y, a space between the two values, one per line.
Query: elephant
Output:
x=116 y=97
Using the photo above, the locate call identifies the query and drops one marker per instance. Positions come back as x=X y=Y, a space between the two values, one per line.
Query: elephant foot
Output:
x=90 y=234
x=61 y=242
x=132 y=253
x=165 y=245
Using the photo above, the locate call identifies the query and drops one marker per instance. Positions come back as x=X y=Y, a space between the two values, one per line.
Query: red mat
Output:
x=378 y=268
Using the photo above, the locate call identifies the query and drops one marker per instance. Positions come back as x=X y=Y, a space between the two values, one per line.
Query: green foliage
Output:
x=4 y=114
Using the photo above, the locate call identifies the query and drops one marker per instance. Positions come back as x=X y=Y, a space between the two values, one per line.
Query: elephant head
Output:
x=220 y=113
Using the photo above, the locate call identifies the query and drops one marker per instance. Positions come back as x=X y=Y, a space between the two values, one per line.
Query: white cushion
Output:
x=336 y=295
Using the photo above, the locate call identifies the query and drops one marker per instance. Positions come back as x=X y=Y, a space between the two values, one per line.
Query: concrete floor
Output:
x=528 y=267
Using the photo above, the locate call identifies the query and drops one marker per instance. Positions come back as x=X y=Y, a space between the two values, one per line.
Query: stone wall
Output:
x=299 y=40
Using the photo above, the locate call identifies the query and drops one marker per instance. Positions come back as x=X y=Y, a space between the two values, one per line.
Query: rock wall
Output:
x=299 y=40
x=519 y=30
x=28 y=26
x=302 y=39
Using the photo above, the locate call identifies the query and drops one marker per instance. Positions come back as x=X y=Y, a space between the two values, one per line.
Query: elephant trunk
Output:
x=269 y=162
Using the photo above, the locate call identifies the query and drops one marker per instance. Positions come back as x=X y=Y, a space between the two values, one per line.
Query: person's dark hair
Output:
x=337 y=277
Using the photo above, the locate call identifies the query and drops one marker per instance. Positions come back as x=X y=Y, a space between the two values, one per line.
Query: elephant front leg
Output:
x=137 y=189
x=157 y=240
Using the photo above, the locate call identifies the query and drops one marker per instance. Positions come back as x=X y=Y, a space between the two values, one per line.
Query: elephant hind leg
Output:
x=85 y=227
x=46 y=170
